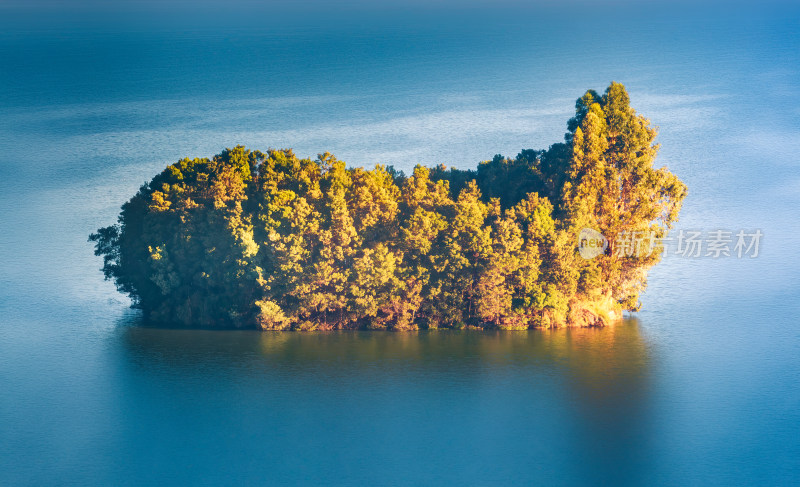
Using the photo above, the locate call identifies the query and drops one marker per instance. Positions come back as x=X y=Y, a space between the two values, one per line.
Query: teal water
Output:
x=699 y=388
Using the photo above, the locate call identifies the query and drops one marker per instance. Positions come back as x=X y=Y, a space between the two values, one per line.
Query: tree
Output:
x=613 y=188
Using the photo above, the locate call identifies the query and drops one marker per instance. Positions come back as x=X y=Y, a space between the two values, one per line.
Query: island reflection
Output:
x=599 y=361
x=555 y=395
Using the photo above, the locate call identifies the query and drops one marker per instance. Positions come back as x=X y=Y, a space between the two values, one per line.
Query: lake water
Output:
x=702 y=387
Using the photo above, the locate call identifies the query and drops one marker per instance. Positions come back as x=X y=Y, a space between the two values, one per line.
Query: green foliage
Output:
x=613 y=188
x=272 y=241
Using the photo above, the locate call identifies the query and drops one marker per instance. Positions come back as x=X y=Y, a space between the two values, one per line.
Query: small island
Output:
x=267 y=240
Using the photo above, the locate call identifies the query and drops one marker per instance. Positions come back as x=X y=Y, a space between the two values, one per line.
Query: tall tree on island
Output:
x=612 y=187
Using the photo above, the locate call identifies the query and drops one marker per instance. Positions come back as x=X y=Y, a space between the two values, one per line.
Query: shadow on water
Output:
x=573 y=399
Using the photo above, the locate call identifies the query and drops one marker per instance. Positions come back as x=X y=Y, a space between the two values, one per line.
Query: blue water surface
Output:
x=702 y=387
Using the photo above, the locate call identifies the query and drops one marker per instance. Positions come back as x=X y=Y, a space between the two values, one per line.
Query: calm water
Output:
x=701 y=387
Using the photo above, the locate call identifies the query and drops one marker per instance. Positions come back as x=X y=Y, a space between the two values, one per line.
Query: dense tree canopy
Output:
x=272 y=241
